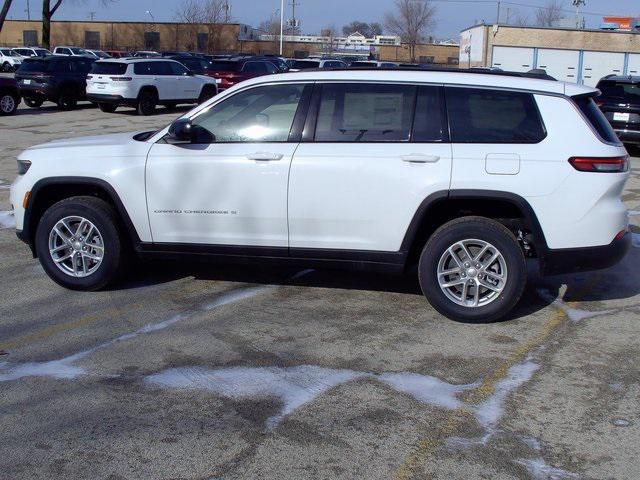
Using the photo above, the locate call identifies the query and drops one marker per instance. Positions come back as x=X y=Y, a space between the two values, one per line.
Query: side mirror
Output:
x=190 y=73
x=180 y=131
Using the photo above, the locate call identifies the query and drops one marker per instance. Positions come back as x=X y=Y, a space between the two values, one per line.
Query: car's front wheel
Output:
x=33 y=102
x=472 y=269
x=8 y=103
x=6 y=67
x=79 y=243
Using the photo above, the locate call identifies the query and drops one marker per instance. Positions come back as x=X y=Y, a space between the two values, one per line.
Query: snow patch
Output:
x=574 y=314
x=621 y=422
x=7 y=220
x=297 y=386
x=489 y=412
x=540 y=470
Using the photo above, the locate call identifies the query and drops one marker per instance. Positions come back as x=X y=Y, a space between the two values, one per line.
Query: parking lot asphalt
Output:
x=194 y=371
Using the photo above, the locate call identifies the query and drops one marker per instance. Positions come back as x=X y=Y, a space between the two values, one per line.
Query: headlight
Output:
x=23 y=166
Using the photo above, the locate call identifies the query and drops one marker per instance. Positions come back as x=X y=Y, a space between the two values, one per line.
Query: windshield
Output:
x=8 y=53
x=304 y=64
x=194 y=64
x=79 y=51
x=628 y=92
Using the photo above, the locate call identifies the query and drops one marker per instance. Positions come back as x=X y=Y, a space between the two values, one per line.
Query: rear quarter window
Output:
x=493 y=116
x=596 y=119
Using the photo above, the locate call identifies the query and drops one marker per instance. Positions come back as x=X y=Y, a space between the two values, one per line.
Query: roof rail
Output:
x=424 y=68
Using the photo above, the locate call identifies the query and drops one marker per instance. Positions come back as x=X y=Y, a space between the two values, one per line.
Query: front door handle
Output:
x=420 y=158
x=265 y=156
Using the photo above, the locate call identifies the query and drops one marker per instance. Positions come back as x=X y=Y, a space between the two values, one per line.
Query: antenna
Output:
x=294 y=24
x=92 y=15
x=577 y=4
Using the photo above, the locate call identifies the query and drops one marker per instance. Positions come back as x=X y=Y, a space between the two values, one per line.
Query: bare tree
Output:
x=203 y=14
x=190 y=13
x=4 y=12
x=48 y=11
x=411 y=20
x=272 y=28
x=548 y=16
x=214 y=14
x=329 y=32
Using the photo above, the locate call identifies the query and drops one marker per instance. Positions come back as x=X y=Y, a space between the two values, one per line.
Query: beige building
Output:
x=580 y=56
x=211 y=38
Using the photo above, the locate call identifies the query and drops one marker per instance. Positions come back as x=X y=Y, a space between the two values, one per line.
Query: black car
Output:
x=197 y=65
x=620 y=103
x=9 y=96
x=60 y=79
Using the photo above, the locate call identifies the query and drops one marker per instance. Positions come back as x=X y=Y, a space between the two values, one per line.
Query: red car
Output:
x=117 y=53
x=229 y=72
x=9 y=96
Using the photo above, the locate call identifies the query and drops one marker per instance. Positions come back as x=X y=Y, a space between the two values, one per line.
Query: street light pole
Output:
x=281 y=24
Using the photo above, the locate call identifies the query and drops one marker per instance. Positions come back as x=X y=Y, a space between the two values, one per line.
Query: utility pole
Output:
x=498 y=18
x=281 y=24
x=28 y=11
x=293 y=16
x=226 y=11
x=577 y=4
x=92 y=15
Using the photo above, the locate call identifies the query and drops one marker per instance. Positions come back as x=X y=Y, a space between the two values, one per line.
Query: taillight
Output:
x=121 y=79
x=600 y=165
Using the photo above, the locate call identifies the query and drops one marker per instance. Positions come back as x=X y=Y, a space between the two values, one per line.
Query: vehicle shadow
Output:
x=49 y=107
x=161 y=110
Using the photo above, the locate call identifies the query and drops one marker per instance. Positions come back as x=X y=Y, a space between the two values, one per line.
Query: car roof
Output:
x=621 y=79
x=59 y=58
x=454 y=77
x=135 y=60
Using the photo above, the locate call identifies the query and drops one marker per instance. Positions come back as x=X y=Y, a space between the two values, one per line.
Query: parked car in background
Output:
x=306 y=64
x=197 y=65
x=230 y=72
x=144 y=83
x=32 y=51
x=60 y=79
x=372 y=64
x=174 y=53
x=71 y=51
x=98 y=54
x=620 y=103
x=9 y=60
x=279 y=62
x=146 y=54
x=9 y=96
x=118 y=53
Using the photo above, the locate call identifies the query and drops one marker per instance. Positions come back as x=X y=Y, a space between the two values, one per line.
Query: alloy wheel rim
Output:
x=472 y=273
x=76 y=246
x=7 y=103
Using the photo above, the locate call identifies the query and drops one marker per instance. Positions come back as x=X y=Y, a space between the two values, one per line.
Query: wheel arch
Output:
x=440 y=207
x=48 y=191
x=148 y=88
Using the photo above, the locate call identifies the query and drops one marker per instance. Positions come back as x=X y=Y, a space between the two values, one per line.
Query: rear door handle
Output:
x=265 y=156
x=420 y=158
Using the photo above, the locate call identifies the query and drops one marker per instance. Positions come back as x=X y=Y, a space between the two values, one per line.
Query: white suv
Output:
x=144 y=83
x=9 y=60
x=464 y=175
x=71 y=52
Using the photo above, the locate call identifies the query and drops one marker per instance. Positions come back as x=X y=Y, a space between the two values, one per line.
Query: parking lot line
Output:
x=457 y=417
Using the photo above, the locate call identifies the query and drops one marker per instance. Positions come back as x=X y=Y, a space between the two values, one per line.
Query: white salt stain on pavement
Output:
x=574 y=314
x=540 y=470
x=64 y=368
x=7 y=220
x=297 y=386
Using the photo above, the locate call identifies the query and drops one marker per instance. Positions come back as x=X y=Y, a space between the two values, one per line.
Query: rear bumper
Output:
x=42 y=91
x=572 y=260
x=111 y=99
x=628 y=136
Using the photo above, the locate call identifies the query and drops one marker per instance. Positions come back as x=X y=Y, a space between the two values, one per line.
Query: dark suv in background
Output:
x=620 y=103
x=9 y=96
x=60 y=79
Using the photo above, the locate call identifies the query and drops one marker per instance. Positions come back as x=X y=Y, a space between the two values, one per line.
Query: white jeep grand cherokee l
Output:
x=464 y=175
x=144 y=83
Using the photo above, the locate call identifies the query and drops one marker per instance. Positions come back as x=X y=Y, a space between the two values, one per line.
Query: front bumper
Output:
x=572 y=260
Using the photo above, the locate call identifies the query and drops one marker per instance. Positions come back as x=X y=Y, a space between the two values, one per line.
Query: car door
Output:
x=187 y=86
x=361 y=173
x=229 y=186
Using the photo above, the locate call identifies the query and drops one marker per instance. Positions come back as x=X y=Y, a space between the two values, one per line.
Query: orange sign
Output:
x=624 y=22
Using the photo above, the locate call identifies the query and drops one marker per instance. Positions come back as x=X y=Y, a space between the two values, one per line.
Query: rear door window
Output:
x=493 y=116
x=430 y=123
x=365 y=113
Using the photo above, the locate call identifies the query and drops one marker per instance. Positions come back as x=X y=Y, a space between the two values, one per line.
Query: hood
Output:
x=111 y=140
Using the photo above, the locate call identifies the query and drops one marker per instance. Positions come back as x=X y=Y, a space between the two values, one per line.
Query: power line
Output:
x=519 y=4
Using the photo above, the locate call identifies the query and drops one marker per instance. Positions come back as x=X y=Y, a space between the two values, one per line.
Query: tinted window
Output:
x=64 y=51
x=629 y=92
x=364 y=64
x=429 y=123
x=23 y=52
x=42 y=53
x=8 y=52
x=82 y=66
x=79 y=51
x=597 y=119
x=493 y=116
x=109 y=68
x=256 y=67
x=34 y=66
x=223 y=66
x=263 y=114
x=194 y=64
x=177 y=68
x=60 y=66
x=152 y=68
x=304 y=64
x=365 y=113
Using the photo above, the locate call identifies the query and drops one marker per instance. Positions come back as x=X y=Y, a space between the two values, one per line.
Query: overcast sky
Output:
x=452 y=15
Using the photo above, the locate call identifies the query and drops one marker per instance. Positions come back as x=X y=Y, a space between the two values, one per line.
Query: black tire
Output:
x=8 y=103
x=33 y=102
x=67 y=100
x=207 y=93
x=477 y=228
x=107 y=107
x=105 y=219
x=6 y=67
x=147 y=101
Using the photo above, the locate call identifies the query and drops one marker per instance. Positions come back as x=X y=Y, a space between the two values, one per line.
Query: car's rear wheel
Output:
x=207 y=93
x=472 y=269
x=8 y=103
x=67 y=100
x=147 y=101
x=79 y=243
x=6 y=67
x=107 y=107
x=33 y=102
